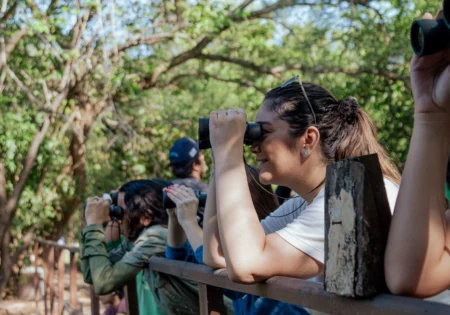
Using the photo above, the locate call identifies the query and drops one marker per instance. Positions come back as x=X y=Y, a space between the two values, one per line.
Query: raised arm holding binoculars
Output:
x=417 y=260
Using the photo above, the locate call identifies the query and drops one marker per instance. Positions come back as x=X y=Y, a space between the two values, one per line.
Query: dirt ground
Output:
x=27 y=305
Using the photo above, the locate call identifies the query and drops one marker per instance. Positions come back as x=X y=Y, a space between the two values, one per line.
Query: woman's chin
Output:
x=265 y=178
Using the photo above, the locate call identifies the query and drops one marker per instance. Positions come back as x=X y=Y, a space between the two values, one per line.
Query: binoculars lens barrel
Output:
x=203 y=134
x=253 y=133
x=431 y=36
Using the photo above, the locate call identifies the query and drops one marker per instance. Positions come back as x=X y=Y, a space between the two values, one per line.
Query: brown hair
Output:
x=144 y=198
x=345 y=129
x=262 y=195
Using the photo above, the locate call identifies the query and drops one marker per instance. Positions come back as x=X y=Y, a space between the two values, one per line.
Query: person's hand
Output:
x=186 y=201
x=430 y=78
x=227 y=130
x=97 y=211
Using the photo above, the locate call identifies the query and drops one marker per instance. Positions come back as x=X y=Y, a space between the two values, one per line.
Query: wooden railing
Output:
x=295 y=291
x=50 y=251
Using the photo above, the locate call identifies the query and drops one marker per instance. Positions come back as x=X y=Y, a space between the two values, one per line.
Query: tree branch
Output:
x=151 y=40
x=149 y=82
x=21 y=85
x=9 y=12
x=241 y=82
x=240 y=62
x=278 y=70
x=14 y=40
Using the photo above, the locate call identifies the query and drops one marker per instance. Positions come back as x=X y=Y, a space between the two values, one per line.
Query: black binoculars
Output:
x=431 y=36
x=253 y=133
x=169 y=204
x=115 y=211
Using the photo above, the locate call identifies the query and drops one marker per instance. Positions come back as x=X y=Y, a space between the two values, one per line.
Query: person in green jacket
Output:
x=111 y=265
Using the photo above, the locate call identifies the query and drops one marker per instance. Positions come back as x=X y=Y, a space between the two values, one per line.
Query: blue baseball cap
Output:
x=183 y=151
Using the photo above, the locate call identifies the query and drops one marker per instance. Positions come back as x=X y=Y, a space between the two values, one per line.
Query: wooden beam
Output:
x=301 y=292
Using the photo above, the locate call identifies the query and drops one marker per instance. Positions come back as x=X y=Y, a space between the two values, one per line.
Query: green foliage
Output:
x=352 y=50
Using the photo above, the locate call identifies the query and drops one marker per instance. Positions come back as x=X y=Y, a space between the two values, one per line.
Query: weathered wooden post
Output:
x=131 y=298
x=73 y=280
x=61 y=270
x=36 y=273
x=211 y=300
x=95 y=303
x=357 y=219
x=51 y=278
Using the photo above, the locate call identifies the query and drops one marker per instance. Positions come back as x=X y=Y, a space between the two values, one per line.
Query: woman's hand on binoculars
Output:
x=226 y=131
x=97 y=211
x=430 y=79
x=186 y=201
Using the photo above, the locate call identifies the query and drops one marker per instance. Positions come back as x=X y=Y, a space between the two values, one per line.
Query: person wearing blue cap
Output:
x=188 y=165
x=186 y=159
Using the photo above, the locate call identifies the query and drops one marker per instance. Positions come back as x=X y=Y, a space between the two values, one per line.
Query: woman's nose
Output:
x=255 y=148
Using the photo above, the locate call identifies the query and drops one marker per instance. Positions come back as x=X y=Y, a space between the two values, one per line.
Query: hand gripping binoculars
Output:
x=431 y=36
x=253 y=133
x=169 y=204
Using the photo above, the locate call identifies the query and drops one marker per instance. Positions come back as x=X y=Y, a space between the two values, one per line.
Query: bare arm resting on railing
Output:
x=417 y=260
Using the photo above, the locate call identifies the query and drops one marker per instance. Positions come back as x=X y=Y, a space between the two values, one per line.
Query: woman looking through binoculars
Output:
x=304 y=129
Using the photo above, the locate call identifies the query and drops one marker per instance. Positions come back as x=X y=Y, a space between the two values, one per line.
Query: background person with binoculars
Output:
x=417 y=260
x=144 y=224
x=304 y=129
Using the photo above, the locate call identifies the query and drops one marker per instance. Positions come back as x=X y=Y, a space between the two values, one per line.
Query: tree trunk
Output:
x=6 y=263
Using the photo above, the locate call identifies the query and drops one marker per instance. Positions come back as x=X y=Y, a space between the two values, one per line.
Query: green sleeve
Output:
x=97 y=266
x=116 y=250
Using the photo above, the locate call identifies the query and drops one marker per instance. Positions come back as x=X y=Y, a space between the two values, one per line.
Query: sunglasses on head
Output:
x=296 y=79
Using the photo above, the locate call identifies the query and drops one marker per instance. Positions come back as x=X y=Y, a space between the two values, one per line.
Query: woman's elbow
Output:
x=212 y=262
x=241 y=275
x=400 y=285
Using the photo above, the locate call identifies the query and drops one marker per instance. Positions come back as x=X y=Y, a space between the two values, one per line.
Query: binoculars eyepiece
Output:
x=431 y=36
x=168 y=203
x=253 y=133
x=115 y=211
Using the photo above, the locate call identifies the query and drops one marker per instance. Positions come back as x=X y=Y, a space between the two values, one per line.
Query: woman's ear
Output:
x=310 y=141
x=145 y=221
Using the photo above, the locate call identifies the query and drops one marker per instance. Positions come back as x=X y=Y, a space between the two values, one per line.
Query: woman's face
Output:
x=278 y=153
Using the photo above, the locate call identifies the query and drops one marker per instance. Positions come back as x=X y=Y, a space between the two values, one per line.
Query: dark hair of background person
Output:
x=263 y=201
x=185 y=170
x=283 y=193
x=346 y=130
x=144 y=198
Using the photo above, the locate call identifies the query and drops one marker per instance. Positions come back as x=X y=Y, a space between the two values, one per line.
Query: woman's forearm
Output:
x=175 y=234
x=194 y=234
x=212 y=250
x=417 y=237
x=241 y=234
